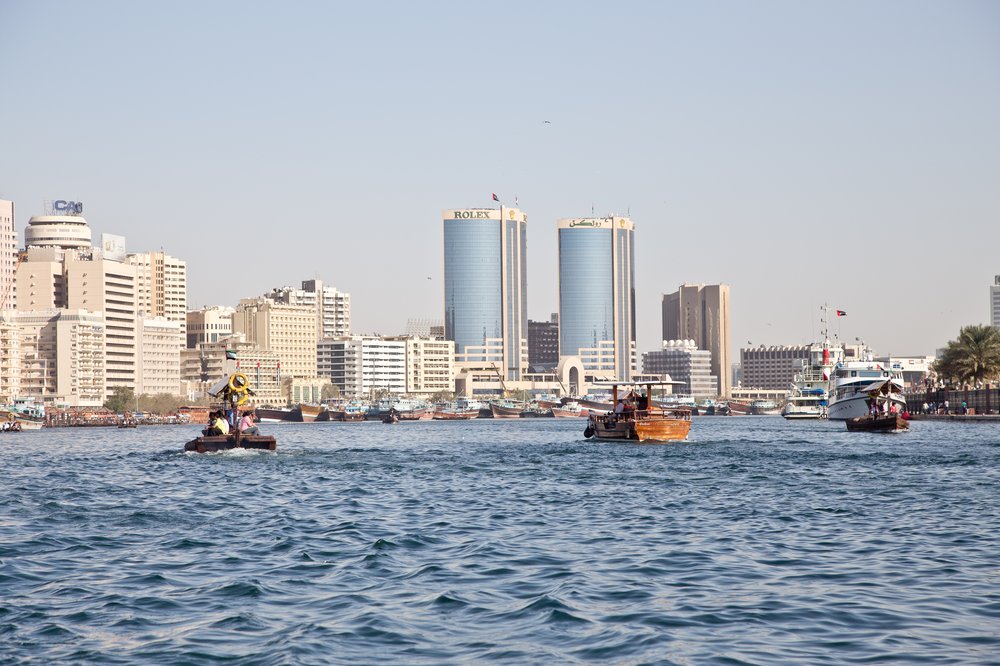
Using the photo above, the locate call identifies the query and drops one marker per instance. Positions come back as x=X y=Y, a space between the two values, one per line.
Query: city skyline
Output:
x=813 y=135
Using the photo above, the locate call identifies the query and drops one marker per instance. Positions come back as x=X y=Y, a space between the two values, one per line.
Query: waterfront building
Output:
x=597 y=294
x=100 y=285
x=486 y=279
x=287 y=330
x=700 y=312
x=62 y=356
x=543 y=342
x=332 y=307
x=682 y=361
x=430 y=365
x=209 y=324
x=772 y=367
x=161 y=287
x=995 y=302
x=204 y=365
x=10 y=356
x=8 y=255
x=39 y=279
x=361 y=364
x=159 y=356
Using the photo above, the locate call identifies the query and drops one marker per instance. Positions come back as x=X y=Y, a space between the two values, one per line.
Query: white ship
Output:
x=853 y=380
x=809 y=396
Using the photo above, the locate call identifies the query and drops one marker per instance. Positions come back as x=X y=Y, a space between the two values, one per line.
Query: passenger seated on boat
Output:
x=620 y=407
x=219 y=425
x=247 y=426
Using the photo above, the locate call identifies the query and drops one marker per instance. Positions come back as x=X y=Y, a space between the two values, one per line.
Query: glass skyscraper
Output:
x=597 y=295
x=485 y=287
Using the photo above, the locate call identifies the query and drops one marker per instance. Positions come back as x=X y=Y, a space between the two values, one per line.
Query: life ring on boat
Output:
x=238 y=383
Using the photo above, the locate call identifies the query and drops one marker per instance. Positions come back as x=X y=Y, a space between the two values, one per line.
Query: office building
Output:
x=543 y=343
x=209 y=324
x=8 y=255
x=333 y=308
x=287 y=330
x=701 y=313
x=66 y=231
x=995 y=302
x=361 y=364
x=161 y=288
x=10 y=356
x=430 y=365
x=683 y=362
x=772 y=367
x=486 y=275
x=159 y=356
x=597 y=294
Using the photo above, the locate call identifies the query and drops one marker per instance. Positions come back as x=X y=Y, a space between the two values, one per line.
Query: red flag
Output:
x=495 y=197
x=841 y=313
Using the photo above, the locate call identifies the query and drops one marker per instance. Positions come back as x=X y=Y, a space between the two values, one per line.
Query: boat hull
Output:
x=561 y=413
x=890 y=423
x=455 y=416
x=212 y=444
x=505 y=412
x=654 y=430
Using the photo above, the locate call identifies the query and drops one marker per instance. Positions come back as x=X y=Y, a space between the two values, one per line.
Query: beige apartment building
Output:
x=430 y=365
x=206 y=364
x=209 y=324
x=286 y=330
x=161 y=287
x=159 y=356
x=10 y=356
x=62 y=356
x=333 y=308
x=8 y=255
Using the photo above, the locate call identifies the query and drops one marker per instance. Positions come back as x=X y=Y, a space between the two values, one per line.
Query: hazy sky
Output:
x=802 y=152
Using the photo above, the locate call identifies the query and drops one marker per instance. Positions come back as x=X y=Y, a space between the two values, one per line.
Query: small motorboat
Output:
x=883 y=423
x=391 y=416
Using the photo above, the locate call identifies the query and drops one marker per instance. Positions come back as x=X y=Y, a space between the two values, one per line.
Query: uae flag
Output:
x=495 y=197
x=230 y=354
x=841 y=313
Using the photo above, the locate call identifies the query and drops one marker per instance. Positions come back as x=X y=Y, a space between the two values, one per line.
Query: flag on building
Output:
x=495 y=197
x=841 y=313
x=230 y=354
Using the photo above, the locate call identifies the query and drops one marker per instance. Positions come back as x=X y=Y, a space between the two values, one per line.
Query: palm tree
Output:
x=974 y=357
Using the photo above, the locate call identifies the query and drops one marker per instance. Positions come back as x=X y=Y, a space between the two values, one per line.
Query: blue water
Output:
x=757 y=542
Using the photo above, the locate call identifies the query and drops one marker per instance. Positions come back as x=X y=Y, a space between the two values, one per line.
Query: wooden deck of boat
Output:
x=205 y=444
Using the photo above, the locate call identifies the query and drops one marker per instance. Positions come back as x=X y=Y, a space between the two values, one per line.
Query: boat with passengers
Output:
x=636 y=417
x=853 y=381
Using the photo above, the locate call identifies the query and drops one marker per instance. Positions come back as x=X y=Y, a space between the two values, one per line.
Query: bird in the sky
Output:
x=546 y=122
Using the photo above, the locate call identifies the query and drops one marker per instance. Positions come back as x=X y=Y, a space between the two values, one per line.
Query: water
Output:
x=758 y=542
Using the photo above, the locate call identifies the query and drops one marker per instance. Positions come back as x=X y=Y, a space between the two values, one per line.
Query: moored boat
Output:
x=506 y=409
x=274 y=415
x=455 y=415
x=886 y=423
x=571 y=410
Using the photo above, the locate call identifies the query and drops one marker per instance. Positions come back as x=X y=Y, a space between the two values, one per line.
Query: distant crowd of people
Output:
x=220 y=423
x=943 y=408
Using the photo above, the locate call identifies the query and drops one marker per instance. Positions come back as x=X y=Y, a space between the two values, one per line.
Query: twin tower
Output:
x=486 y=287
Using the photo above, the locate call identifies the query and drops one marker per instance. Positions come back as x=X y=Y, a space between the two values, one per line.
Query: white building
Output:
x=209 y=324
x=62 y=354
x=63 y=231
x=359 y=364
x=684 y=362
x=333 y=308
x=161 y=287
x=159 y=356
x=8 y=255
x=10 y=356
x=430 y=365
x=995 y=301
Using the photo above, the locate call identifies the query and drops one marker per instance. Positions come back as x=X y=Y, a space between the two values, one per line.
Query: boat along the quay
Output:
x=883 y=414
x=887 y=423
x=235 y=393
x=636 y=418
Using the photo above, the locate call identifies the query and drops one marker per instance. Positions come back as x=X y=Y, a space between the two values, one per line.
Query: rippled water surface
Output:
x=757 y=542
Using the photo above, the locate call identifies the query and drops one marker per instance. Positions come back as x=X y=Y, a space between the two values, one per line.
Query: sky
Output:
x=802 y=152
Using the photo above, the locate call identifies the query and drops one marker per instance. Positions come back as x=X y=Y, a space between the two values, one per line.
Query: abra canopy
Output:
x=883 y=388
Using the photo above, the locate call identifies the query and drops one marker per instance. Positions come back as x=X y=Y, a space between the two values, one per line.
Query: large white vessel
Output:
x=809 y=395
x=853 y=380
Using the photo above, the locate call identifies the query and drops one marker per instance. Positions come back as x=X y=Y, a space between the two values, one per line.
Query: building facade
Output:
x=209 y=324
x=333 y=308
x=161 y=288
x=597 y=294
x=430 y=365
x=69 y=232
x=159 y=356
x=543 y=342
x=62 y=356
x=8 y=255
x=287 y=330
x=206 y=364
x=995 y=302
x=486 y=279
x=361 y=364
x=683 y=362
x=701 y=313
x=773 y=367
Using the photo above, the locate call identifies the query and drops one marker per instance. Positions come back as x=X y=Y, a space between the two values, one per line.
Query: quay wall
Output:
x=983 y=401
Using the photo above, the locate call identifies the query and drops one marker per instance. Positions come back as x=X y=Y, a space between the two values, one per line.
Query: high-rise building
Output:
x=10 y=356
x=62 y=356
x=597 y=294
x=209 y=324
x=485 y=291
x=8 y=255
x=159 y=356
x=68 y=231
x=684 y=362
x=287 y=330
x=701 y=313
x=543 y=342
x=995 y=301
x=333 y=308
x=430 y=365
x=161 y=287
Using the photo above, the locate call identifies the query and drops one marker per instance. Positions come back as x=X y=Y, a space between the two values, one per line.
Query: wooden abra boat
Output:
x=639 y=419
x=210 y=444
x=887 y=423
